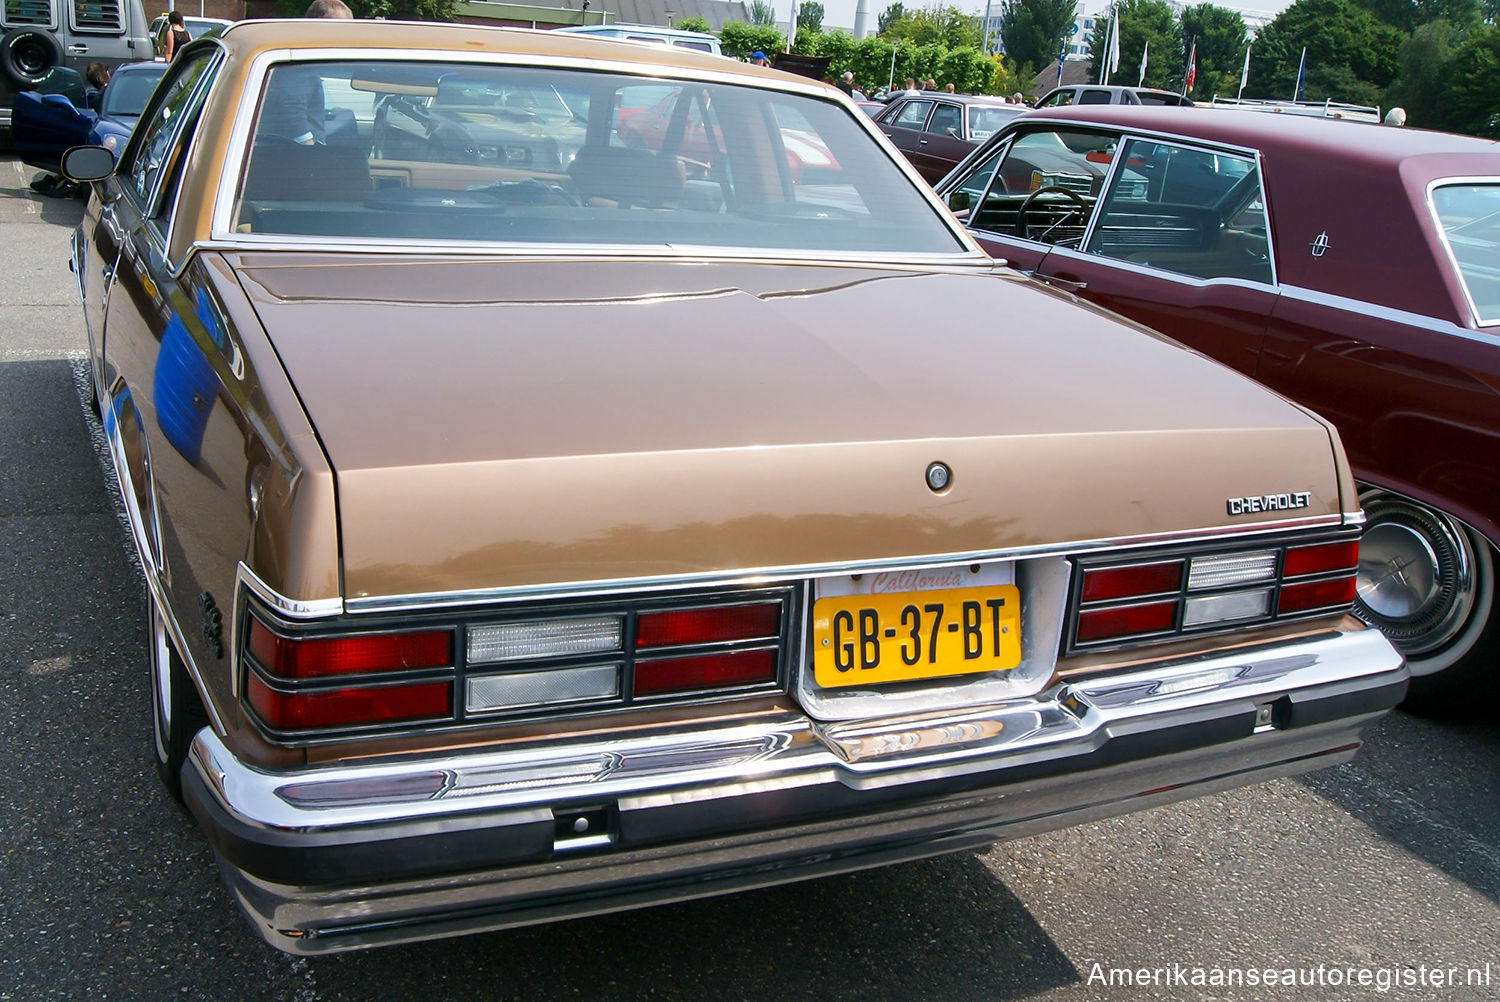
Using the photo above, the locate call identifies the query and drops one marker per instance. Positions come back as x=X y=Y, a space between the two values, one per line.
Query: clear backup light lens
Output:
x=542 y=688
x=551 y=638
x=1231 y=569
x=1228 y=608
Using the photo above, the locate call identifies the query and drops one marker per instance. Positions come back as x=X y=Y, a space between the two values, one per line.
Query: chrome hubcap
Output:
x=1416 y=579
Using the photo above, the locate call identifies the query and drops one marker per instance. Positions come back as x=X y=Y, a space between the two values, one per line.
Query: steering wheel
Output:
x=1080 y=206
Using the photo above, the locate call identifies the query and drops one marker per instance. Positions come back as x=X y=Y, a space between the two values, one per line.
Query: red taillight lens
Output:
x=1320 y=559
x=707 y=626
x=316 y=657
x=1103 y=624
x=1103 y=583
x=342 y=707
x=712 y=671
x=1315 y=595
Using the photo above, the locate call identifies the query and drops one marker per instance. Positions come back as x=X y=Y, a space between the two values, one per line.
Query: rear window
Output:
x=1469 y=218
x=427 y=151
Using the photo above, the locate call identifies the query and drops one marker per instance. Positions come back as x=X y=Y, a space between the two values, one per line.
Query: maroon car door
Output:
x=1171 y=235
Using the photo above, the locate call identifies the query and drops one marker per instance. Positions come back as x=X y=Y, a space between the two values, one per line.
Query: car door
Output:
x=1034 y=188
x=941 y=145
x=1168 y=233
x=1180 y=242
x=905 y=126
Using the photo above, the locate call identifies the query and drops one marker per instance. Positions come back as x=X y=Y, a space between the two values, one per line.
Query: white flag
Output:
x=1114 y=43
x=1144 y=49
x=1245 y=73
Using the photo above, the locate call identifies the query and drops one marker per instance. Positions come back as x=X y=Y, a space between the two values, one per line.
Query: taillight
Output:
x=299 y=680
x=754 y=629
x=297 y=683
x=702 y=626
x=1160 y=597
x=346 y=706
x=709 y=671
x=314 y=657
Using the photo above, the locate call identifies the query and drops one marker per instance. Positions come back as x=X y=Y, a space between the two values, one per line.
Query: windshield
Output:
x=127 y=93
x=436 y=151
x=1469 y=215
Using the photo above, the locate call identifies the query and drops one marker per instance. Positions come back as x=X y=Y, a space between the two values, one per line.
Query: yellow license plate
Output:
x=871 y=639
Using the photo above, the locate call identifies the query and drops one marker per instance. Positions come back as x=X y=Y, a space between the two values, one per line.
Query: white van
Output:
x=39 y=35
x=652 y=35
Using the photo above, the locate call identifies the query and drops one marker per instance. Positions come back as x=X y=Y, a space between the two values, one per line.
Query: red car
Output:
x=1354 y=268
x=935 y=131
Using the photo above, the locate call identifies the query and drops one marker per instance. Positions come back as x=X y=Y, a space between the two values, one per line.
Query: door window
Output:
x=912 y=115
x=947 y=120
x=157 y=144
x=1191 y=211
x=1045 y=185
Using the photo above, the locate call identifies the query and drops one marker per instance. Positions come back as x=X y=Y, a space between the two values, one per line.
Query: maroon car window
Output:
x=1046 y=185
x=947 y=119
x=1469 y=216
x=1190 y=211
x=424 y=150
x=912 y=114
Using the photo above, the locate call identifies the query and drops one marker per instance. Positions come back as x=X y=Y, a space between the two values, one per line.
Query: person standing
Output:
x=177 y=35
x=846 y=83
x=294 y=106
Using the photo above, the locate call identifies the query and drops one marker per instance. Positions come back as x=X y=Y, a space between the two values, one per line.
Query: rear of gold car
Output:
x=522 y=579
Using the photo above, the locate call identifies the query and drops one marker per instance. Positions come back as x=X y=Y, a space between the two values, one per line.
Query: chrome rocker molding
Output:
x=343 y=857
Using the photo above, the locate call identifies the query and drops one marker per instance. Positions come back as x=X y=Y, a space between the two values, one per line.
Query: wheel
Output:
x=28 y=54
x=1080 y=206
x=176 y=713
x=1427 y=582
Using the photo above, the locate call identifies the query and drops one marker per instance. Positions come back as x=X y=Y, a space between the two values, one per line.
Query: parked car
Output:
x=45 y=126
x=525 y=542
x=43 y=35
x=1057 y=97
x=195 y=26
x=1351 y=268
x=650 y=34
x=935 y=130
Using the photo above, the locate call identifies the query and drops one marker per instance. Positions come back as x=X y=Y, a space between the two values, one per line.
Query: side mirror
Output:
x=958 y=201
x=88 y=163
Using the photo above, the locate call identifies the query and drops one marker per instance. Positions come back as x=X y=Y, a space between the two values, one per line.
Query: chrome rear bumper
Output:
x=337 y=858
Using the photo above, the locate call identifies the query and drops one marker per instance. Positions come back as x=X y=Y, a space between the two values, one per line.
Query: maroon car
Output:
x=1354 y=268
x=935 y=131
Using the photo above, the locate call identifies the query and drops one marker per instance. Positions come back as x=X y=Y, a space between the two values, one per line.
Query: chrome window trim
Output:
x=1162 y=273
x=221 y=227
x=777 y=574
x=248 y=242
x=193 y=107
x=1442 y=232
x=1419 y=321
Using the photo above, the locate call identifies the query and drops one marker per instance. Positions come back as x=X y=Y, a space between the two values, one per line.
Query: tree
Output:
x=393 y=10
x=810 y=16
x=1351 y=55
x=1144 y=25
x=1426 y=72
x=890 y=16
x=947 y=26
x=762 y=14
x=739 y=39
x=693 y=24
x=1408 y=15
x=1034 y=31
x=1219 y=34
x=1473 y=104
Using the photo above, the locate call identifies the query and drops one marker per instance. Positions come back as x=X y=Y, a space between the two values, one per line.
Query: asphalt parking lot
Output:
x=1379 y=879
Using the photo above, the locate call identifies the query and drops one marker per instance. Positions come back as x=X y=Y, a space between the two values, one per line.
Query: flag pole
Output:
x=1187 y=75
x=1301 y=68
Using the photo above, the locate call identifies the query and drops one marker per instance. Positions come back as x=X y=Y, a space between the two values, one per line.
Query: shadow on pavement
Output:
x=937 y=929
x=1431 y=787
